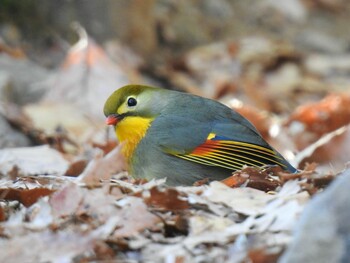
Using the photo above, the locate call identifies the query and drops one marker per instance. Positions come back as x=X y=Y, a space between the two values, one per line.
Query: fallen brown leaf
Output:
x=235 y=180
x=27 y=197
x=168 y=199
x=76 y=168
x=2 y=214
x=265 y=179
x=108 y=146
x=262 y=256
x=325 y=116
x=102 y=252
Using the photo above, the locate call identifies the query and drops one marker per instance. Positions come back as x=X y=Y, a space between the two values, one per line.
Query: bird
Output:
x=183 y=137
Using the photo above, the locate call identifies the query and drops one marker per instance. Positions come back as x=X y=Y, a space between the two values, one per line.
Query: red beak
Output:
x=112 y=119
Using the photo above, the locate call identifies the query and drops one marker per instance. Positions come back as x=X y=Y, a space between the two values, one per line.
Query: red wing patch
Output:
x=232 y=155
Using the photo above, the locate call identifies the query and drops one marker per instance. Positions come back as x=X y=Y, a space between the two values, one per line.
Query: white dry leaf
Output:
x=208 y=237
x=153 y=183
x=195 y=190
x=33 y=160
x=281 y=213
x=197 y=200
x=35 y=181
x=15 y=219
x=281 y=218
x=204 y=222
x=286 y=216
x=103 y=167
x=266 y=213
x=40 y=215
x=126 y=185
x=135 y=217
x=290 y=188
x=240 y=228
x=247 y=201
x=104 y=230
x=165 y=253
x=237 y=252
x=45 y=246
x=290 y=191
x=220 y=237
x=99 y=203
x=134 y=188
x=49 y=116
x=66 y=200
x=280 y=239
x=138 y=242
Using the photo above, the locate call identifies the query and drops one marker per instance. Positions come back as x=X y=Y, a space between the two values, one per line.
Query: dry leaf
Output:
x=33 y=160
x=102 y=168
x=98 y=205
x=247 y=201
x=168 y=199
x=265 y=179
x=66 y=200
x=39 y=215
x=262 y=256
x=45 y=246
x=27 y=197
x=135 y=217
x=76 y=168
x=49 y=117
x=2 y=214
x=325 y=116
x=331 y=151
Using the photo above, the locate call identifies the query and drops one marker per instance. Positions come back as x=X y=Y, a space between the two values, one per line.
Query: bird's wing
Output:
x=228 y=145
x=230 y=154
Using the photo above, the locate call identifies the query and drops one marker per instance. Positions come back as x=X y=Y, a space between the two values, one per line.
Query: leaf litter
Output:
x=149 y=217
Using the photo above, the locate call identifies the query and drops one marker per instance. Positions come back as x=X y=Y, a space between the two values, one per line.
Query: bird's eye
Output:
x=132 y=102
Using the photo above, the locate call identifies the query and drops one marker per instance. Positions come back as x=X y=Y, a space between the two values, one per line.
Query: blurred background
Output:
x=285 y=65
x=167 y=27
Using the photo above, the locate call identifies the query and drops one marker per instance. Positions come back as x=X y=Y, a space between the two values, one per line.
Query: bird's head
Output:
x=134 y=101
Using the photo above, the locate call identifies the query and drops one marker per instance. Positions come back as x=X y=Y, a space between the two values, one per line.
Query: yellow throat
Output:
x=130 y=131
